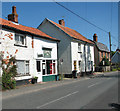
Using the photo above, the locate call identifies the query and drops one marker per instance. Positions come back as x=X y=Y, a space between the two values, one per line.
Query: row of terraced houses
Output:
x=48 y=50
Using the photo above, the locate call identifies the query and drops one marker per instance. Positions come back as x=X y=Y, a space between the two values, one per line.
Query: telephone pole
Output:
x=110 y=49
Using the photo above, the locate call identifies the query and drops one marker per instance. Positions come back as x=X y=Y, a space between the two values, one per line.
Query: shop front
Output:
x=47 y=69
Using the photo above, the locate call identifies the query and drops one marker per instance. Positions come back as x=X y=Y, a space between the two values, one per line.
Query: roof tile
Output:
x=20 y=27
x=72 y=33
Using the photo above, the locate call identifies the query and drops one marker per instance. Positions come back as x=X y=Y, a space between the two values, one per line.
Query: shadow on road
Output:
x=115 y=106
x=105 y=76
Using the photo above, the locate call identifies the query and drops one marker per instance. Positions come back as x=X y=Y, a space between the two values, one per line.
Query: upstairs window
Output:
x=20 y=39
x=88 y=49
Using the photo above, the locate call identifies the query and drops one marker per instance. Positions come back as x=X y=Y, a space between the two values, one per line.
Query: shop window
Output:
x=22 y=67
x=20 y=39
x=49 y=66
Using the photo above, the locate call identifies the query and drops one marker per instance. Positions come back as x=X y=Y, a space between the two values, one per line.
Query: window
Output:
x=22 y=67
x=79 y=62
x=49 y=67
x=47 y=52
x=88 y=49
x=20 y=39
x=105 y=54
x=38 y=66
x=89 y=64
x=102 y=54
x=54 y=67
x=108 y=55
x=75 y=65
x=79 y=47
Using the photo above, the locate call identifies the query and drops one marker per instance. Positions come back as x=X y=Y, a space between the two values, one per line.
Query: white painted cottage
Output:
x=74 y=50
x=35 y=51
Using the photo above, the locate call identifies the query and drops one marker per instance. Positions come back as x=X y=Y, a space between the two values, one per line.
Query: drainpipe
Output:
x=58 y=63
x=85 y=55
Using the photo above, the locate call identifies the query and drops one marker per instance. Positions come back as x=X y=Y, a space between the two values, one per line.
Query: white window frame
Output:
x=18 y=42
x=25 y=63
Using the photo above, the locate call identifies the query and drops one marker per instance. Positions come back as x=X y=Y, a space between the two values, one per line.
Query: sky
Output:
x=102 y=14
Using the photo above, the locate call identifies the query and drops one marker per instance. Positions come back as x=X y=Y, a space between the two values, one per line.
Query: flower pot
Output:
x=33 y=81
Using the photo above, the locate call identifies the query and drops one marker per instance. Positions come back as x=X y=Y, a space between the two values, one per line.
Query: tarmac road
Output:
x=89 y=93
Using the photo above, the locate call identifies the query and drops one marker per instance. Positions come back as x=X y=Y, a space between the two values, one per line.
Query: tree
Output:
x=112 y=53
x=105 y=62
x=9 y=71
x=8 y=61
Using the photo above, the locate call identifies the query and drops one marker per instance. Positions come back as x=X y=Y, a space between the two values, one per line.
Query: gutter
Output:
x=44 y=37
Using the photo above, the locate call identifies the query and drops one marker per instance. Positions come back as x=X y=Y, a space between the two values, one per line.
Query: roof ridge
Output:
x=71 y=32
x=31 y=30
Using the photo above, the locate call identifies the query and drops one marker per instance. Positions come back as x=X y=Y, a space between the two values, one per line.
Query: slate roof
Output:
x=71 y=32
x=30 y=30
x=102 y=47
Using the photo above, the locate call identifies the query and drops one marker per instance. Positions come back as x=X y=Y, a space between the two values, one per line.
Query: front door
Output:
x=39 y=72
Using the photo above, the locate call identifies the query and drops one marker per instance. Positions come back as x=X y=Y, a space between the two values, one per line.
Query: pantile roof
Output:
x=71 y=32
x=30 y=30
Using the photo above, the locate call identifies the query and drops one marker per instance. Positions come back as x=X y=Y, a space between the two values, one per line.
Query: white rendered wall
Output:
x=39 y=43
x=21 y=53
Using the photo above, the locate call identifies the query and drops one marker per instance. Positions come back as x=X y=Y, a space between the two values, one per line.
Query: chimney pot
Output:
x=62 y=22
x=95 y=37
x=14 y=10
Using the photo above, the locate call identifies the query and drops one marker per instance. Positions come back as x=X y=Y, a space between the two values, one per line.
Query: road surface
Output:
x=91 y=93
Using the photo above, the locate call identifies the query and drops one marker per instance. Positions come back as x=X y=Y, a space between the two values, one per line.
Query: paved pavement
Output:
x=67 y=94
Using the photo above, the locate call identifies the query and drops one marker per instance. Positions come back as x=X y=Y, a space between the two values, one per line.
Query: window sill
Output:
x=22 y=75
x=20 y=45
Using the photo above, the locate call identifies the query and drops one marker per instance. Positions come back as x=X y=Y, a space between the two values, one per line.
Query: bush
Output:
x=9 y=72
x=119 y=69
x=7 y=81
x=106 y=62
x=114 y=69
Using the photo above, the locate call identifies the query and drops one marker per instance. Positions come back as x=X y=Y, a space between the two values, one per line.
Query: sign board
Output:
x=40 y=55
x=61 y=61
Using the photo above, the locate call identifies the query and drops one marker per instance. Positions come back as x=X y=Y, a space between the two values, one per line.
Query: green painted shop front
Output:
x=49 y=78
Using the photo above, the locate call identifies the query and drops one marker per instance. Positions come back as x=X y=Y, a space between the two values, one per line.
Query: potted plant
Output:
x=34 y=80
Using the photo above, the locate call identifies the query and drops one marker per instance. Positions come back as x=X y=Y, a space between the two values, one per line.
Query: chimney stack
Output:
x=62 y=22
x=14 y=16
x=95 y=37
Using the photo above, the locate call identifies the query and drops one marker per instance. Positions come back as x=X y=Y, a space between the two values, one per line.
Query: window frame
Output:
x=25 y=65
x=19 y=41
